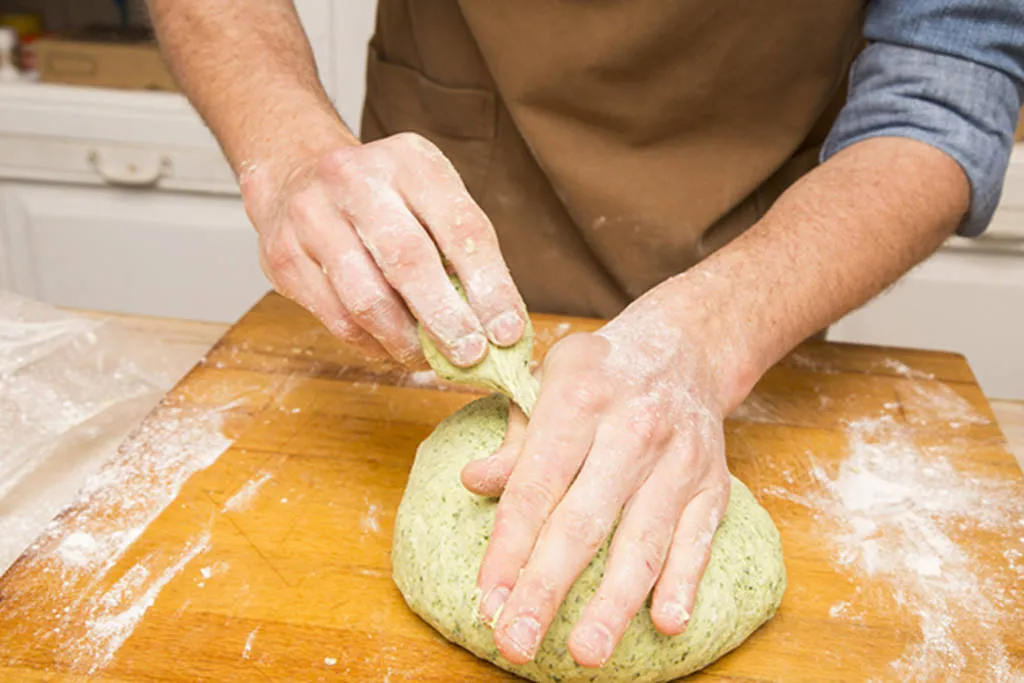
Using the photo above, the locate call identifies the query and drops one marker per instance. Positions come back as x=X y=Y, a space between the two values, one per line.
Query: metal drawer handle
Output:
x=128 y=170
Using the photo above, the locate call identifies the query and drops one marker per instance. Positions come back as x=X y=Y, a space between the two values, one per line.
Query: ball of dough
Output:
x=441 y=531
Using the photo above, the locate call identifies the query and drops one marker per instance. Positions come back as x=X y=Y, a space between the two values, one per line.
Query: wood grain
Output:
x=294 y=584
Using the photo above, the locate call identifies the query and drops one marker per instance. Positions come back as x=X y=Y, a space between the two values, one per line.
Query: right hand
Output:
x=353 y=234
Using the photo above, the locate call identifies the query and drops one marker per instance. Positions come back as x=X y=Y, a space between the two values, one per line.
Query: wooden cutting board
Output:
x=243 y=532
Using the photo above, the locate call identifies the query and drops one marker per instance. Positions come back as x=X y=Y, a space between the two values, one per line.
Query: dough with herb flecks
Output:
x=441 y=531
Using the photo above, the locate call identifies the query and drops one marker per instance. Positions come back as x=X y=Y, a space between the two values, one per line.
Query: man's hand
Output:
x=353 y=234
x=628 y=421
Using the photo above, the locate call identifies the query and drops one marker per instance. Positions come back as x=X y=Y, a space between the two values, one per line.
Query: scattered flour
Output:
x=78 y=549
x=904 y=370
x=893 y=513
x=112 y=617
x=936 y=401
x=838 y=609
x=247 y=650
x=135 y=488
x=211 y=570
x=370 y=521
x=114 y=508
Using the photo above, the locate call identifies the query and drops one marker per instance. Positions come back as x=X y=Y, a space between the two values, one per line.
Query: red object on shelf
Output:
x=26 y=53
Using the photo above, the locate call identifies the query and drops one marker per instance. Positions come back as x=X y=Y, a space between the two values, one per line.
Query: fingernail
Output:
x=598 y=640
x=470 y=349
x=506 y=329
x=675 y=613
x=492 y=603
x=524 y=632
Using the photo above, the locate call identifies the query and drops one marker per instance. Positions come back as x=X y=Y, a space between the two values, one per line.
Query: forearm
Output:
x=838 y=237
x=248 y=69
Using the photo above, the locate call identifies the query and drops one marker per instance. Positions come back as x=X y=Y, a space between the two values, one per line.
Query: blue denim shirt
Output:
x=949 y=73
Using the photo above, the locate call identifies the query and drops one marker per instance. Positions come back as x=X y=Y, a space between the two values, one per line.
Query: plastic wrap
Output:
x=71 y=389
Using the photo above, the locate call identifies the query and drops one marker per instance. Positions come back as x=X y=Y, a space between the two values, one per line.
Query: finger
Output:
x=298 y=278
x=558 y=437
x=635 y=559
x=576 y=530
x=676 y=591
x=409 y=261
x=466 y=237
x=357 y=281
x=488 y=476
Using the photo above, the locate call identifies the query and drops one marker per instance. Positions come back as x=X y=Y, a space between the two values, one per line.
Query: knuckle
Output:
x=646 y=423
x=421 y=145
x=411 y=139
x=687 y=460
x=539 y=590
x=617 y=605
x=403 y=253
x=468 y=222
x=347 y=331
x=650 y=550
x=583 y=529
x=587 y=394
x=410 y=355
x=572 y=349
x=338 y=162
x=492 y=294
x=530 y=499
x=281 y=256
x=368 y=304
x=300 y=209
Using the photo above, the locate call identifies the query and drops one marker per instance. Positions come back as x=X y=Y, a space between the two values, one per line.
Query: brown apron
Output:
x=616 y=143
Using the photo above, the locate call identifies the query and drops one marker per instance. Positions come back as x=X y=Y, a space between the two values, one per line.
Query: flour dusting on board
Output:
x=247 y=648
x=82 y=547
x=369 y=522
x=112 y=618
x=244 y=496
x=894 y=512
x=134 y=489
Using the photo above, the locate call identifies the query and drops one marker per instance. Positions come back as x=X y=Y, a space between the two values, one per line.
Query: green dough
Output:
x=441 y=531
x=503 y=369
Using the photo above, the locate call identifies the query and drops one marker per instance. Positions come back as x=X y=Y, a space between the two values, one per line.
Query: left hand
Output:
x=628 y=421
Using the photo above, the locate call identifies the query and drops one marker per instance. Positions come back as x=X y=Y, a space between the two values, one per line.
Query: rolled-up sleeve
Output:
x=948 y=73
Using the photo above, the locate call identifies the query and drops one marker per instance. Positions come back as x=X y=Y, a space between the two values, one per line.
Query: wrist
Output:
x=270 y=160
x=726 y=342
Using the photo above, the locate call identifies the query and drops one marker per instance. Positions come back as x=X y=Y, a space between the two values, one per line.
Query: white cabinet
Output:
x=122 y=201
x=152 y=253
x=967 y=301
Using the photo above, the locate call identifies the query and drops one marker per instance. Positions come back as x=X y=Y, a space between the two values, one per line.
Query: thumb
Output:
x=488 y=476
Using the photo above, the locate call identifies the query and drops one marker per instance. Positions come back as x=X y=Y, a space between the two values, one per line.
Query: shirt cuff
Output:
x=966 y=109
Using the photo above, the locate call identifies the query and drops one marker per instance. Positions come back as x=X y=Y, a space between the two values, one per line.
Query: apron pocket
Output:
x=462 y=122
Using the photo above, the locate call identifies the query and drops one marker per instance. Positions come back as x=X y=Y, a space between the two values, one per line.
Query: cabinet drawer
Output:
x=964 y=300
x=107 y=137
x=145 y=252
x=119 y=165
